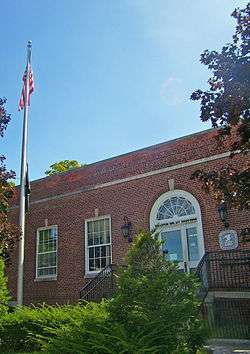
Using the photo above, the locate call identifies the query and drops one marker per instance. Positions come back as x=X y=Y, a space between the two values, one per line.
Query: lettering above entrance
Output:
x=176 y=217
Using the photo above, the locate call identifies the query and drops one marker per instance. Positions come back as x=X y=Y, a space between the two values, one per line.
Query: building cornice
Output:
x=131 y=178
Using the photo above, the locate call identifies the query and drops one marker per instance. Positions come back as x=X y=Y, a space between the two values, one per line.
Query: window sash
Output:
x=96 y=228
x=51 y=272
x=46 y=260
x=98 y=232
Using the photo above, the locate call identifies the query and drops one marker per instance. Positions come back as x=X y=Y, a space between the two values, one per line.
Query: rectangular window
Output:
x=46 y=253
x=98 y=244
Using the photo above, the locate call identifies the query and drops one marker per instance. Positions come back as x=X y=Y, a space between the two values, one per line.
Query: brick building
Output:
x=74 y=224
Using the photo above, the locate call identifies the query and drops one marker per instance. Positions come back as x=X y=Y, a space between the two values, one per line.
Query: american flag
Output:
x=31 y=88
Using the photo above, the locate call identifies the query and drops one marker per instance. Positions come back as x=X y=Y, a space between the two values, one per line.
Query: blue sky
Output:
x=111 y=76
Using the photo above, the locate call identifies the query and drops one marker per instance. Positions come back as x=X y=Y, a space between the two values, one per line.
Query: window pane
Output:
x=96 y=226
x=52 y=246
x=102 y=237
x=107 y=237
x=52 y=271
x=45 y=235
x=41 y=261
x=103 y=262
x=90 y=239
x=97 y=264
x=103 y=251
x=41 y=237
x=91 y=265
x=51 y=259
x=107 y=224
x=40 y=248
x=96 y=238
x=101 y=225
x=90 y=227
x=192 y=240
x=98 y=234
x=91 y=252
x=173 y=245
x=108 y=248
x=47 y=252
x=97 y=252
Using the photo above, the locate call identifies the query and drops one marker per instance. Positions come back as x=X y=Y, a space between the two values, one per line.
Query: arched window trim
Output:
x=158 y=224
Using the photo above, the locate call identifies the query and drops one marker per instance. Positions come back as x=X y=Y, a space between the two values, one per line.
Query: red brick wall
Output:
x=133 y=199
x=156 y=157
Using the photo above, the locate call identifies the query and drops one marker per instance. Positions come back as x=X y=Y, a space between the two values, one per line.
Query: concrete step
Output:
x=228 y=346
x=211 y=295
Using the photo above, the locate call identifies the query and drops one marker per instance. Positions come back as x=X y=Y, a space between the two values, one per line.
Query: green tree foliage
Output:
x=9 y=233
x=155 y=302
x=31 y=328
x=227 y=105
x=63 y=166
x=154 y=311
x=4 y=294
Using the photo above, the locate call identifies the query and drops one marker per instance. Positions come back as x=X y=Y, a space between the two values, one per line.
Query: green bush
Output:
x=4 y=294
x=154 y=296
x=105 y=337
x=154 y=311
x=27 y=327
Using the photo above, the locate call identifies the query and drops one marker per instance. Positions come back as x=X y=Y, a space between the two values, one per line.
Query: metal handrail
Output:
x=202 y=261
x=203 y=291
x=213 y=272
x=106 y=272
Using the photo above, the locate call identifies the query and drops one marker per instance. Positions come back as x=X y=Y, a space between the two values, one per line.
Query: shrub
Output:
x=24 y=329
x=4 y=295
x=104 y=337
x=155 y=311
x=156 y=298
x=88 y=332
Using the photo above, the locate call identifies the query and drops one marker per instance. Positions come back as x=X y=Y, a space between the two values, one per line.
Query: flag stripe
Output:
x=31 y=89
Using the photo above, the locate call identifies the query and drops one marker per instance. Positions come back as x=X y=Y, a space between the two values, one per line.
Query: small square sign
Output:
x=228 y=239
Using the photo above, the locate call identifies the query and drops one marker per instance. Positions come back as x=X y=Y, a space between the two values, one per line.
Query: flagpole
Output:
x=23 y=182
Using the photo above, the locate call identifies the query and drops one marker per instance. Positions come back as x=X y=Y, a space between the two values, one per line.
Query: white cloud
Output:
x=172 y=91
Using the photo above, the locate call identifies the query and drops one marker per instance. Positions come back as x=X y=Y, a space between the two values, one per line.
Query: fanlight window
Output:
x=175 y=207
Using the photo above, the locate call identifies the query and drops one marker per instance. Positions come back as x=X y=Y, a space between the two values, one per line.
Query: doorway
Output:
x=176 y=217
x=180 y=244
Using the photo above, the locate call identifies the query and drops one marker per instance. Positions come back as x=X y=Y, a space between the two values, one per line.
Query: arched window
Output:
x=175 y=207
x=176 y=217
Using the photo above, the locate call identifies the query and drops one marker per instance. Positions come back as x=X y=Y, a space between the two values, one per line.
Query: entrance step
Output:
x=211 y=295
x=228 y=346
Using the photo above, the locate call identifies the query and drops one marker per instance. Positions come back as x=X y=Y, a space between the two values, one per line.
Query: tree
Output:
x=155 y=301
x=63 y=166
x=9 y=233
x=227 y=105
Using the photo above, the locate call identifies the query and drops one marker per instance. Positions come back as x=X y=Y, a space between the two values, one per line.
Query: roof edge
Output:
x=125 y=154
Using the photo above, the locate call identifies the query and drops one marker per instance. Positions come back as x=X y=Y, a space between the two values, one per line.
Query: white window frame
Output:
x=157 y=226
x=87 y=271
x=52 y=276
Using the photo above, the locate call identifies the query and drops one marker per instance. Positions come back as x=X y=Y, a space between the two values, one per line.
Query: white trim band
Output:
x=132 y=178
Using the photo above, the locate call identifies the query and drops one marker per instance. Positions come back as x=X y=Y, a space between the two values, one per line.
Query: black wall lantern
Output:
x=126 y=229
x=222 y=210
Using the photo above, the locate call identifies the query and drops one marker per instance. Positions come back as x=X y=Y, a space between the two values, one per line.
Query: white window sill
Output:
x=91 y=275
x=45 y=279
